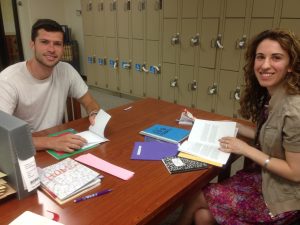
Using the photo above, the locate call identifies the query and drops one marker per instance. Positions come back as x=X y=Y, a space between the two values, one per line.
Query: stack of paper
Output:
x=203 y=141
x=186 y=118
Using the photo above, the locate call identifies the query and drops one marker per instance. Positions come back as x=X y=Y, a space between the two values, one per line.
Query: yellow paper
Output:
x=197 y=158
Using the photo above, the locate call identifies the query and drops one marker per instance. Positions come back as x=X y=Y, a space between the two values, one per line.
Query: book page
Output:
x=101 y=120
x=209 y=132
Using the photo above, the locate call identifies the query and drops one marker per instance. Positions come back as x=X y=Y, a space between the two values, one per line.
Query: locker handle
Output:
x=144 y=68
x=141 y=5
x=240 y=44
x=195 y=41
x=175 y=39
x=89 y=6
x=113 y=5
x=158 y=5
x=174 y=82
x=193 y=85
x=126 y=65
x=212 y=90
x=116 y=63
x=236 y=94
x=216 y=43
x=100 y=6
x=127 y=5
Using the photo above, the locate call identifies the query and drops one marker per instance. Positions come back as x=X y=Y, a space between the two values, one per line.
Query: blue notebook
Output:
x=153 y=150
x=166 y=133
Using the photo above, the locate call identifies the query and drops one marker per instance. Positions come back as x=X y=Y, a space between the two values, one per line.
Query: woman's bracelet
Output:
x=94 y=112
x=266 y=163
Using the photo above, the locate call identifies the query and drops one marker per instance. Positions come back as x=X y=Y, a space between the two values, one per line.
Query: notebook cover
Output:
x=153 y=150
x=175 y=164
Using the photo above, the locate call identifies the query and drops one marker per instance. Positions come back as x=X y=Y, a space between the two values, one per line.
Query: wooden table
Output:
x=146 y=198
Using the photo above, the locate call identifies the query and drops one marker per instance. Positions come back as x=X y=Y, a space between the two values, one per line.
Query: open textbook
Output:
x=94 y=136
x=203 y=139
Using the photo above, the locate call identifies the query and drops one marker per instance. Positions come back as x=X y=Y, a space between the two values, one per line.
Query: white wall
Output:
x=8 y=17
x=62 y=11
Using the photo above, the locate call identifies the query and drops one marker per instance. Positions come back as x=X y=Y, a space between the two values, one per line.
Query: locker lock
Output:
x=144 y=68
x=193 y=85
x=89 y=6
x=174 y=82
x=212 y=90
x=236 y=94
x=240 y=44
x=195 y=41
x=154 y=69
x=175 y=40
x=126 y=65
x=113 y=5
x=216 y=43
x=142 y=5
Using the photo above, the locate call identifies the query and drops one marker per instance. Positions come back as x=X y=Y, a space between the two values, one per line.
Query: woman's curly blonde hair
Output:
x=254 y=96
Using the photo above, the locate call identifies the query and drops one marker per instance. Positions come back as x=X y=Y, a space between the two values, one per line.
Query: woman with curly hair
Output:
x=271 y=99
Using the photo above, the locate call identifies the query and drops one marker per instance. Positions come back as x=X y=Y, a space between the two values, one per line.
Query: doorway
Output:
x=10 y=38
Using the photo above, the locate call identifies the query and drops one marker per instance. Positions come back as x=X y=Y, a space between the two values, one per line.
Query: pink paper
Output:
x=107 y=167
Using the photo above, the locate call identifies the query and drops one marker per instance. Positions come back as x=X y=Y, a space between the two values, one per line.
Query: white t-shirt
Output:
x=41 y=103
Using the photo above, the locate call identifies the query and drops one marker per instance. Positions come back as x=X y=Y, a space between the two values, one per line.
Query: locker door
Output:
x=169 y=48
x=211 y=8
x=87 y=15
x=170 y=8
x=153 y=20
x=169 y=82
x=291 y=24
x=264 y=8
x=101 y=62
x=259 y=25
x=112 y=63
x=124 y=68
x=185 y=94
x=205 y=80
x=99 y=18
x=189 y=8
x=187 y=51
x=110 y=8
x=90 y=60
x=236 y=8
x=153 y=76
x=231 y=53
x=123 y=9
x=137 y=19
x=137 y=73
x=290 y=9
x=209 y=31
x=227 y=86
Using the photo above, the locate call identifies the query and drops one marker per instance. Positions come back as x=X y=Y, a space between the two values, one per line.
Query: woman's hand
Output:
x=233 y=145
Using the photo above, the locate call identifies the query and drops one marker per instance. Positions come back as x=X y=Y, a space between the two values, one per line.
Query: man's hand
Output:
x=65 y=143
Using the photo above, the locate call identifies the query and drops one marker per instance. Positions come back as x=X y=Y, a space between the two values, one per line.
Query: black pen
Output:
x=92 y=195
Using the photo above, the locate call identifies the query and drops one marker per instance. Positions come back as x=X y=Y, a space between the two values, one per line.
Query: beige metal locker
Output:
x=259 y=25
x=123 y=18
x=226 y=89
x=137 y=19
x=170 y=8
x=110 y=9
x=190 y=8
x=125 y=67
x=264 y=8
x=291 y=24
x=152 y=80
x=90 y=60
x=101 y=62
x=188 y=48
x=153 y=9
x=236 y=8
x=169 y=82
x=88 y=8
x=137 y=71
x=207 y=89
x=171 y=40
x=99 y=18
x=185 y=93
x=212 y=8
x=234 y=42
x=112 y=64
x=290 y=9
x=208 y=34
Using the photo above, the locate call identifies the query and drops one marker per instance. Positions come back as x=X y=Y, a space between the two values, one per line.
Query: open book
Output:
x=94 y=136
x=203 y=139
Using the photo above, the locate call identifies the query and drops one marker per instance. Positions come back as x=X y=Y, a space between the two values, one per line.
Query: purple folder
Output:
x=153 y=150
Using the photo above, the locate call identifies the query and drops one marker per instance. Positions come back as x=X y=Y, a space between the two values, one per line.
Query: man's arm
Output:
x=90 y=105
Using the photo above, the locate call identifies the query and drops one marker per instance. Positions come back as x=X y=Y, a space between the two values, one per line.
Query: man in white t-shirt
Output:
x=36 y=90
